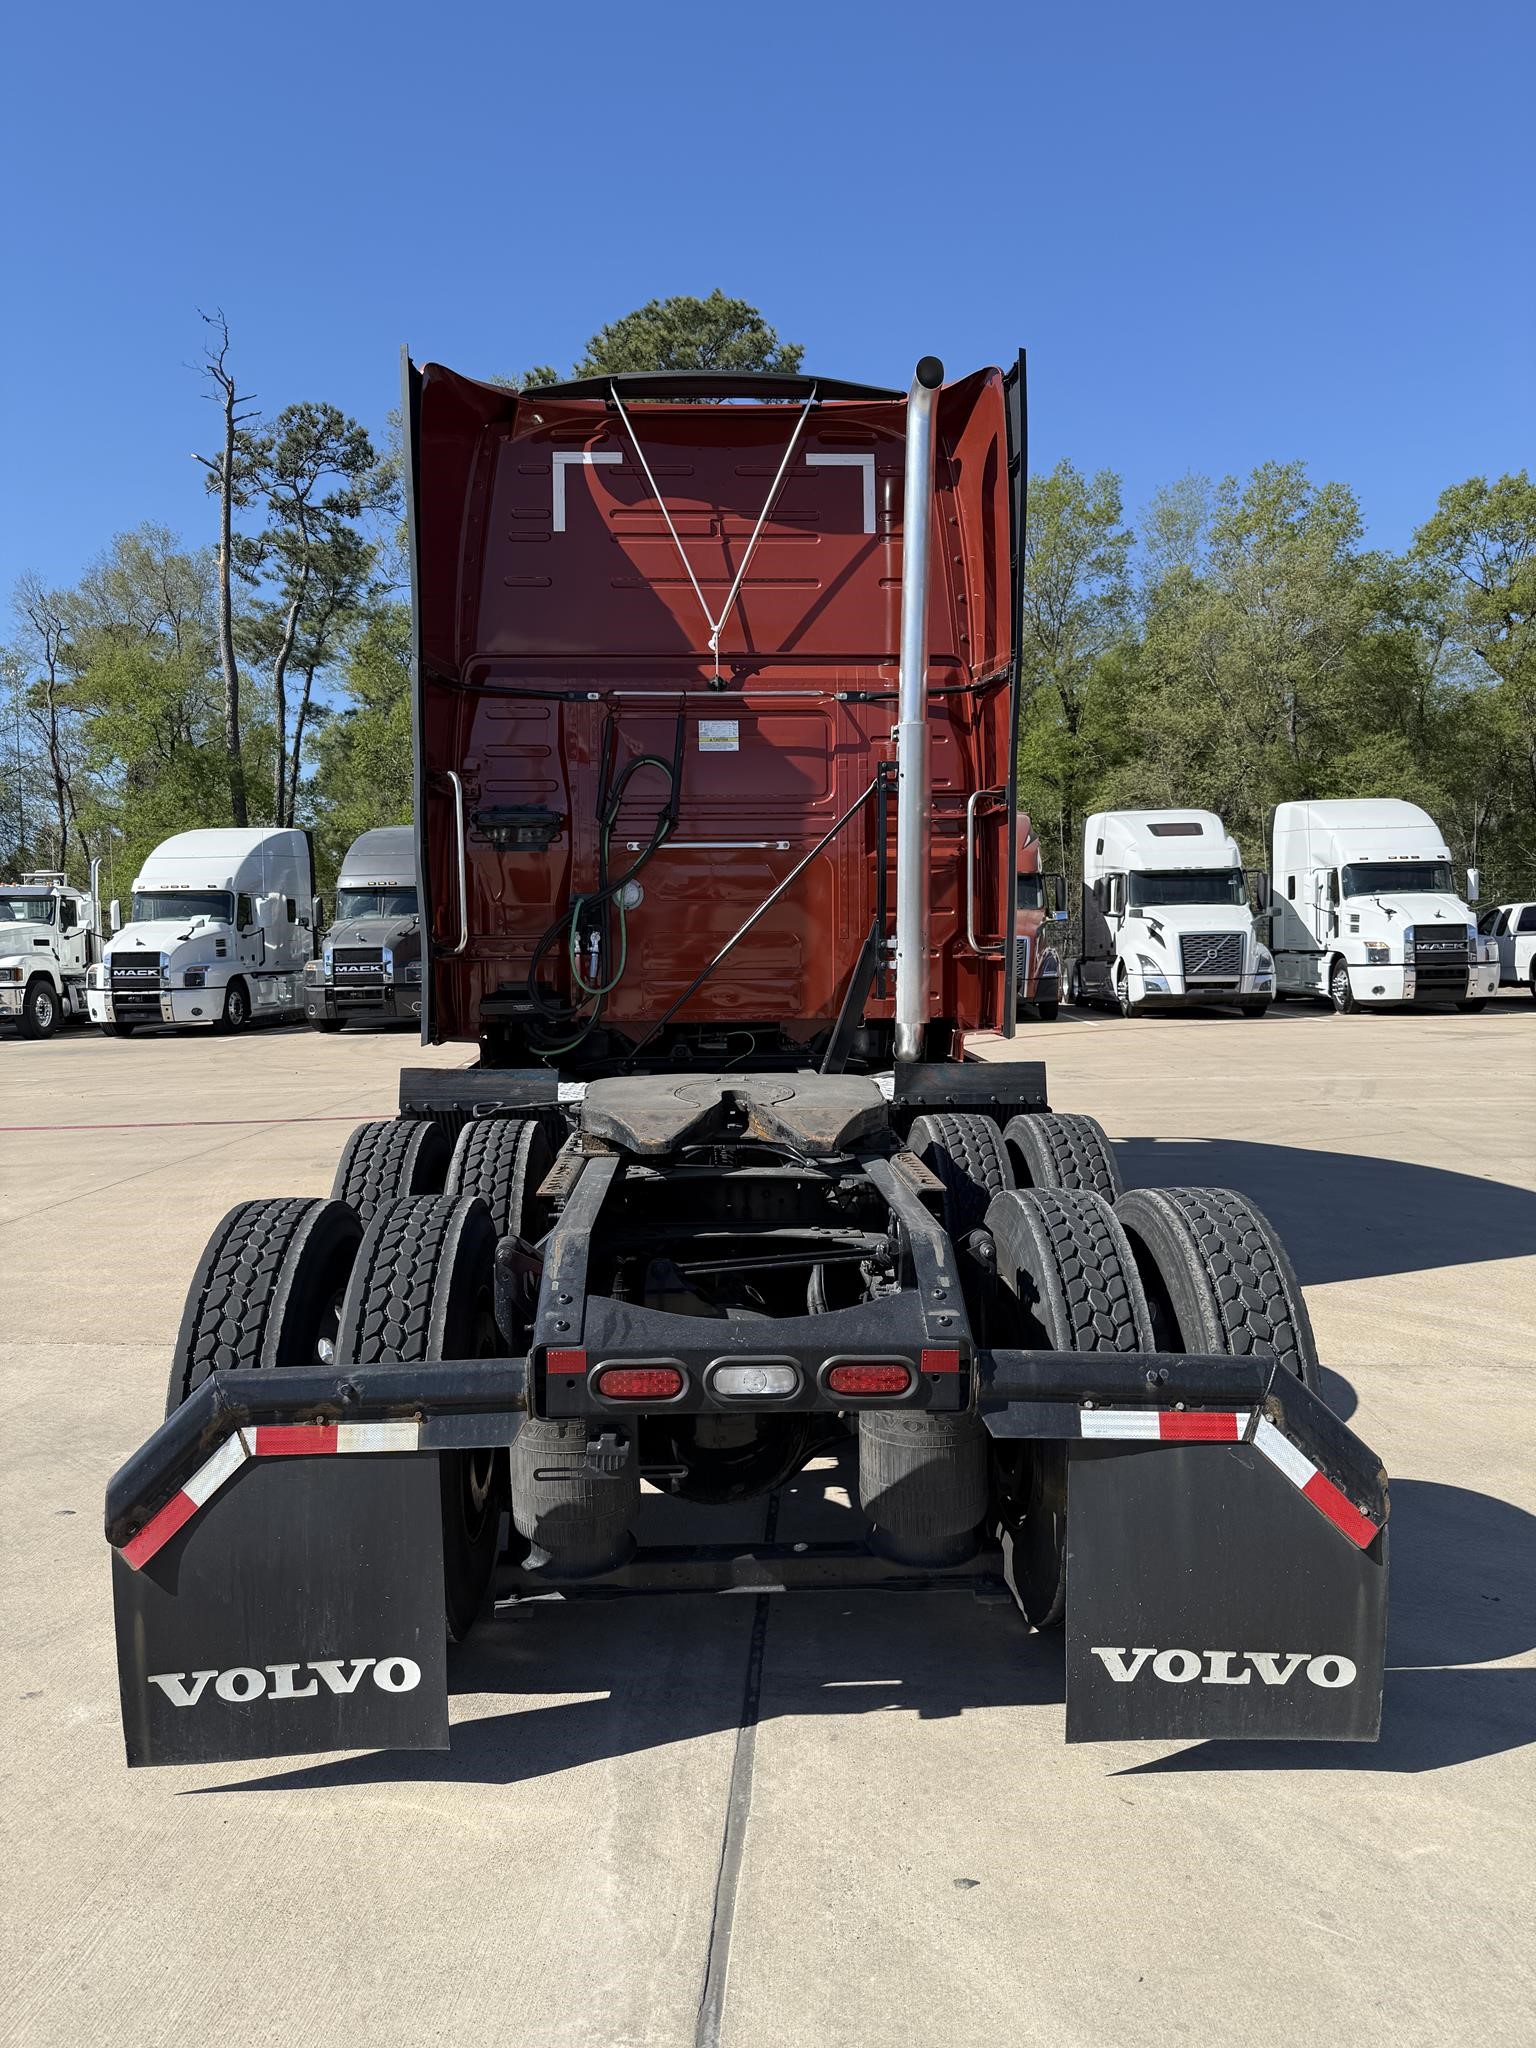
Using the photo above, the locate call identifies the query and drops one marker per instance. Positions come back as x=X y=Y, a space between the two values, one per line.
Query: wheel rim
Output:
x=1340 y=985
x=42 y=1009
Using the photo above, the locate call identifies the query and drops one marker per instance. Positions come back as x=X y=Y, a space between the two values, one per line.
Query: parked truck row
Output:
x=223 y=930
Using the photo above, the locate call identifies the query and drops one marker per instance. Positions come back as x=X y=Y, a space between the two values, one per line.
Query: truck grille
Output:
x=1212 y=957
x=1440 y=963
x=136 y=987
x=357 y=974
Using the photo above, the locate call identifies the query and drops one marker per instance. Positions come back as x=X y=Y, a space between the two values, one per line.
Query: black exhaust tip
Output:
x=930 y=372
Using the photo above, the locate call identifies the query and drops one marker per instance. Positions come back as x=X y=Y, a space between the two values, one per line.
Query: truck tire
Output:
x=969 y=1157
x=1123 y=1001
x=1070 y=1270
x=1218 y=1279
x=1046 y=1012
x=1075 y=994
x=236 y=1014
x=1252 y=1009
x=1051 y=1151
x=1340 y=992
x=389 y=1160
x=503 y=1161
x=422 y=1288
x=117 y=1028
x=1472 y=1005
x=41 y=1011
x=324 y=1023
x=267 y=1292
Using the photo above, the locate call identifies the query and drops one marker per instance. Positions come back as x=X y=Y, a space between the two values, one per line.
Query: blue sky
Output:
x=1225 y=232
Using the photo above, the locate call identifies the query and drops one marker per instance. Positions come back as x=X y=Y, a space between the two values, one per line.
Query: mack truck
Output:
x=1167 y=922
x=369 y=967
x=1366 y=912
x=220 y=926
x=49 y=938
x=716 y=708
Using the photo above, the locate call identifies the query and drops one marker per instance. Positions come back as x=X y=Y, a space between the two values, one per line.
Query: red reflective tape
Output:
x=566 y=1361
x=1340 y=1510
x=1175 y=1426
x=294 y=1439
x=159 y=1529
x=941 y=1361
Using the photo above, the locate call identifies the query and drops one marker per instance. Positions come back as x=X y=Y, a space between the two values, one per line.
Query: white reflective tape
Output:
x=207 y=1479
x=1281 y=1452
x=1122 y=1422
x=378 y=1436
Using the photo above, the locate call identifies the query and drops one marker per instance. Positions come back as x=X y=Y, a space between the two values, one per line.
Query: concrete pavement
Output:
x=900 y=1849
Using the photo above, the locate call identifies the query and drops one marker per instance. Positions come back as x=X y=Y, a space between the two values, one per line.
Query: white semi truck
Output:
x=1167 y=921
x=49 y=938
x=1366 y=911
x=219 y=931
x=1512 y=929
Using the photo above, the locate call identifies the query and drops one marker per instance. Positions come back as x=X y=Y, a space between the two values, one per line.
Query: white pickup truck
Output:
x=1512 y=927
x=222 y=924
x=49 y=936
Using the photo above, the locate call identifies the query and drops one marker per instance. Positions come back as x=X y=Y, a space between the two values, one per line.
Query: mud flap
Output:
x=301 y=1610
x=1207 y=1598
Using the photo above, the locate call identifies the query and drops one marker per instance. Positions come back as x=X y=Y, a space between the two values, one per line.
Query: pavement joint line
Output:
x=738 y=1811
x=189 y=1123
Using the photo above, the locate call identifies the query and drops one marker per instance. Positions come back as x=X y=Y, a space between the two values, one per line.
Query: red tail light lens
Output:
x=639 y=1382
x=891 y=1376
x=566 y=1362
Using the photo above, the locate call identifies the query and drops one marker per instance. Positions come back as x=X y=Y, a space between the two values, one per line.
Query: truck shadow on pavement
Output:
x=662 y=1670
x=1344 y=1216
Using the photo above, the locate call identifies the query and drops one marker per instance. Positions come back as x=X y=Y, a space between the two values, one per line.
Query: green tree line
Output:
x=1238 y=645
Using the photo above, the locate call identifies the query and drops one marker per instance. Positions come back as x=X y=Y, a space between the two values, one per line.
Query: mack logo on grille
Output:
x=246 y=1682
x=1223 y=1667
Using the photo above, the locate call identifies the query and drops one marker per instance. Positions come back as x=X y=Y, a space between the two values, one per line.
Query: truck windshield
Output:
x=383 y=902
x=1395 y=877
x=1187 y=885
x=26 y=910
x=150 y=905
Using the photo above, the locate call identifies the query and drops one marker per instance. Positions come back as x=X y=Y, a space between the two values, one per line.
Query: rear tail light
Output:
x=574 y=1362
x=874 y=1377
x=639 y=1382
x=763 y=1380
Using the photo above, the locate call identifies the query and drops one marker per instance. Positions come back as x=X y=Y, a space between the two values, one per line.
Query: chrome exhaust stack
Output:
x=912 y=739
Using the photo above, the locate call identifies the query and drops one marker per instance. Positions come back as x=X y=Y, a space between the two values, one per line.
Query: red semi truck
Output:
x=716 y=702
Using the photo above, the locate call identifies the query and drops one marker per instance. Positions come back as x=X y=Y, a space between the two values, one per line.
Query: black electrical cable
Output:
x=586 y=906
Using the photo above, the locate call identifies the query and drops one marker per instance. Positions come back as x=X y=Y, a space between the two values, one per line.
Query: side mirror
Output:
x=115 y=915
x=1474 y=885
x=1262 y=895
x=1059 y=896
x=317 y=912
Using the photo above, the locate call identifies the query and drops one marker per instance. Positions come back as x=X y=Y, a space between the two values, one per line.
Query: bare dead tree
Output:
x=224 y=479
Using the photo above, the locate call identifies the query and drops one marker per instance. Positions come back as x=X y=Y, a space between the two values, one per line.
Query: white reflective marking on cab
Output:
x=866 y=463
x=586 y=457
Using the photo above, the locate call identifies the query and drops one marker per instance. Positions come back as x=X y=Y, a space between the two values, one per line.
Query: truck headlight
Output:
x=1377 y=956
x=11 y=973
x=96 y=975
x=1150 y=966
x=1263 y=960
x=1407 y=942
x=314 y=971
x=195 y=977
x=413 y=970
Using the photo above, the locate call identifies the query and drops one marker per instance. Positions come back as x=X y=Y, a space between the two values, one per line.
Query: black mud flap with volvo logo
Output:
x=1208 y=1598
x=300 y=1610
